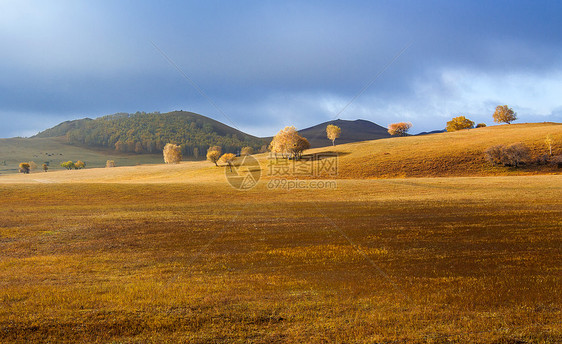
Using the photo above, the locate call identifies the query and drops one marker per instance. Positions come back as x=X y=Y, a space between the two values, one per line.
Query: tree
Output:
x=79 y=165
x=24 y=168
x=481 y=125
x=110 y=163
x=549 y=141
x=503 y=114
x=399 y=129
x=247 y=151
x=214 y=154
x=228 y=158
x=333 y=132
x=289 y=142
x=172 y=153
x=69 y=165
x=138 y=148
x=45 y=167
x=459 y=123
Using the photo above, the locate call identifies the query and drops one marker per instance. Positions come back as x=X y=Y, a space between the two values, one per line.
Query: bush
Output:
x=110 y=163
x=515 y=154
x=481 y=125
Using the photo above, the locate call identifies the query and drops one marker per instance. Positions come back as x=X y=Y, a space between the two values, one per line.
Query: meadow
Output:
x=418 y=260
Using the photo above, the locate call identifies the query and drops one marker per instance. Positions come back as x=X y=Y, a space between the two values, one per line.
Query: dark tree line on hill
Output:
x=150 y=132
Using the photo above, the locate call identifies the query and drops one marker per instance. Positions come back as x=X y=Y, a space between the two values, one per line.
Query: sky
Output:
x=261 y=65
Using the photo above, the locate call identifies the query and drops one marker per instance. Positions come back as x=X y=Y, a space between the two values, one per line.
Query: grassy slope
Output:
x=445 y=154
x=440 y=260
x=16 y=150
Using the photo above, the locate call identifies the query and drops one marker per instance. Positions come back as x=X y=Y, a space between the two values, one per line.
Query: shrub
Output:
x=512 y=155
x=45 y=167
x=110 y=163
x=481 y=125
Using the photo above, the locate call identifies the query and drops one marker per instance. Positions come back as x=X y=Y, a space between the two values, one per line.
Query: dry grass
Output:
x=433 y=261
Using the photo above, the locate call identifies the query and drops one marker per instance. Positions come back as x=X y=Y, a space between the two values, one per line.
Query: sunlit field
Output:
x=404 y=260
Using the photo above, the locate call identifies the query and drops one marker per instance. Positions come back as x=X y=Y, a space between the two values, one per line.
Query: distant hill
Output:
x=351 y=131
x=149 y=132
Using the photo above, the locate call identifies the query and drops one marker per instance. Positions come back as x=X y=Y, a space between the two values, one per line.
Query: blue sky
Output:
x=267 y=64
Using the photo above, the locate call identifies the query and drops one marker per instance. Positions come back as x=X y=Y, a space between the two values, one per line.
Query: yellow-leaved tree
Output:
x=333 y=132
x=459 y=123
x=214 y=154
x=289 y=143
x=504 y=114
x=228 y=158
x=172 y=153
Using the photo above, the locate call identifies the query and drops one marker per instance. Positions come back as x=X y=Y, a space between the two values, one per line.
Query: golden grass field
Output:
x=167 y=254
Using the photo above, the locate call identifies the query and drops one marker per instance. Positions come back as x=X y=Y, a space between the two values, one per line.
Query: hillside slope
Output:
x=149 y=132
x=438 y=155
x=459 y=153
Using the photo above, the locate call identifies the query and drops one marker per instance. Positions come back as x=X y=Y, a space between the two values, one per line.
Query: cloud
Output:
x=267 y=64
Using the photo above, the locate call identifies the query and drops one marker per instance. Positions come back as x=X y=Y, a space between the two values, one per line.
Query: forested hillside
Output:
x=149 y=132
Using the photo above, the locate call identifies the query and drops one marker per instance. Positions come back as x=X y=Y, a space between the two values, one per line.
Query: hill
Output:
x=351 y=131
x=148 y=133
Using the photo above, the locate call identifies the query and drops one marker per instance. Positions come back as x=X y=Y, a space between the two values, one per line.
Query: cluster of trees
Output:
x=289 y=143
x=502 y=114
x=69 y=165
x=149 y=132
x=214 y=155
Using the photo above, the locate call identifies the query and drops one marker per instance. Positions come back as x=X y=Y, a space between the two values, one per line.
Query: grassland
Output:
x=56 y=150
x=404 y=260
x=172 y=253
